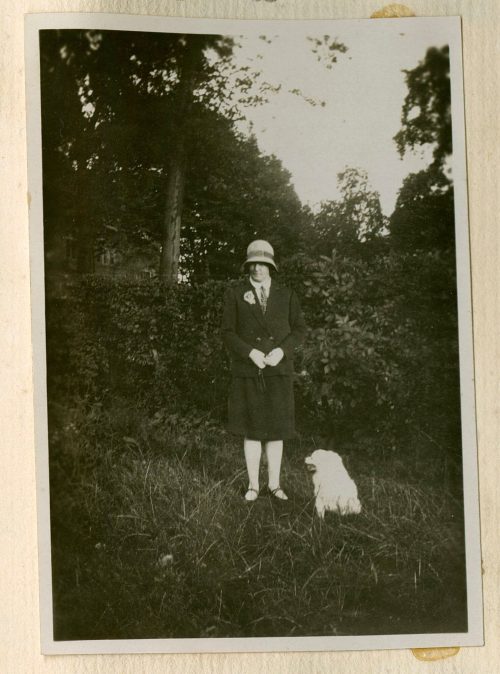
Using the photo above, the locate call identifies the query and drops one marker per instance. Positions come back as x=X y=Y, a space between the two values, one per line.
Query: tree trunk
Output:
x=177 y=163
x=171 y=231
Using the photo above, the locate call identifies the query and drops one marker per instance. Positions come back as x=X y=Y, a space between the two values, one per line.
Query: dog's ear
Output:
x=334 y=459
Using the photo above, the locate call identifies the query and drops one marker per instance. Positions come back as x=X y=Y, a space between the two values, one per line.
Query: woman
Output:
x=262 y=324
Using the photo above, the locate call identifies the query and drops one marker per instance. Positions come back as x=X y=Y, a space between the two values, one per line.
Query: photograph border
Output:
x=474 y=635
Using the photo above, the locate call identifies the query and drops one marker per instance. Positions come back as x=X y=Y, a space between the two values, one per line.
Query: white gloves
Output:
x=261 y=360
x=274 y=357
x=258 y=358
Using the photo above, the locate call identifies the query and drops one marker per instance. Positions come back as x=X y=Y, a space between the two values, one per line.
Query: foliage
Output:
x=353 y=219
x=382 y=335
x=423 y=218
x=236 y=194
x=426 y=114
x=117 y=196
x=326 y=49
x=164 y=349
x=382 y=350
x=159 y=542
x=119 y=120
x=424 y=215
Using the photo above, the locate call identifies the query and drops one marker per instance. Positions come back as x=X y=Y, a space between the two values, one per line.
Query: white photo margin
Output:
x=474 y=636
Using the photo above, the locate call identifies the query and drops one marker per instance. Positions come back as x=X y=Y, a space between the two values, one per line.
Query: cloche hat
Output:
x=260 y=251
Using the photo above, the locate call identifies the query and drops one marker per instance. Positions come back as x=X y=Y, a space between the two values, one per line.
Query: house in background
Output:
x=109 y=258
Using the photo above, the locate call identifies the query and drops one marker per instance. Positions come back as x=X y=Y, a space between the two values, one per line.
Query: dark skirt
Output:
x=262 y=413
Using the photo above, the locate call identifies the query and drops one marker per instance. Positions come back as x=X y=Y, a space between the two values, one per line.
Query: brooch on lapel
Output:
x=249 y=297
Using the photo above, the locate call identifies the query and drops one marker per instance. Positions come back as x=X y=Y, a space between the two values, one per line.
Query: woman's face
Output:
x=259 y=271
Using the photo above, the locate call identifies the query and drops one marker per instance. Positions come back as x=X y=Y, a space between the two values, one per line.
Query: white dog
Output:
x=333 y=488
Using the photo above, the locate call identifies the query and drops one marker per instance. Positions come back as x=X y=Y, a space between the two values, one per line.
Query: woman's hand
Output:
x=274 y=357
x=258 y=358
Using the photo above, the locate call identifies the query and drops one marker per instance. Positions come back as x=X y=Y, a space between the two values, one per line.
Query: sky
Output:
x=363 y=93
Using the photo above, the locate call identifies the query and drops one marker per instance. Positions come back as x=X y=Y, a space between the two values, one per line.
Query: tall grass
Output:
x=152 y=538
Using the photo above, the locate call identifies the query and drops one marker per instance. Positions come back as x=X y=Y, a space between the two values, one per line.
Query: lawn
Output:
x=152 y=538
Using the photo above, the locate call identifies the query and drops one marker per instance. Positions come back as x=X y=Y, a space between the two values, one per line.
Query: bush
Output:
x=381 y=355
x=382 y=352
x=114 y=337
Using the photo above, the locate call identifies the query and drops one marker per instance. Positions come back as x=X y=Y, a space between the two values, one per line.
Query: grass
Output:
x=152 y=538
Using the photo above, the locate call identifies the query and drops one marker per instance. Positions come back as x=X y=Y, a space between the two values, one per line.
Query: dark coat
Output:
x=245 y=327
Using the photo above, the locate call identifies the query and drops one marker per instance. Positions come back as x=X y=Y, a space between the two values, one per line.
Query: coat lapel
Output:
x=255 y=308
x=273 y=298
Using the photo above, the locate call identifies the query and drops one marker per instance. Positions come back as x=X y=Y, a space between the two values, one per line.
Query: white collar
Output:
x=266 y=284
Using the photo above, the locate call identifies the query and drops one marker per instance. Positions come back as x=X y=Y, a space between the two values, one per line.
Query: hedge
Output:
x=381 y=353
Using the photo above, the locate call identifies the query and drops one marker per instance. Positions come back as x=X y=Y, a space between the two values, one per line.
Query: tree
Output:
x=236 y=194
x=421 y=234
x=426 y=113
x=112 y=75
x=354 y=219
x=190 y=74
x=423 y=218
x=424 y=214
x=140 y=97
x=67 y=146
